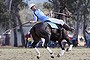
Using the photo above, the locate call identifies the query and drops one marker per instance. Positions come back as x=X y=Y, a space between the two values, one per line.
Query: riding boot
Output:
x=68 y=28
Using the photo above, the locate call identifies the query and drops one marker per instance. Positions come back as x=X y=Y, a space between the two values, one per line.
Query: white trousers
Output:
x=57 y=21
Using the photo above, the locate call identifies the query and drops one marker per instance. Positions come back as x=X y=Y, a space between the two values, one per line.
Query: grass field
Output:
x=78 y=53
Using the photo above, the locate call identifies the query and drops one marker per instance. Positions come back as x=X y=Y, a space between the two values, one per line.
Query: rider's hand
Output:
x=63 y=14
x=32 y=21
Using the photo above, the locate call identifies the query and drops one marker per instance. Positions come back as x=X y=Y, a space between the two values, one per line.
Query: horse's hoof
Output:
x=38 y=57
x=58 y=55
x=61 y=54
x=67 y=49
x=70 y=48
x=52 y=56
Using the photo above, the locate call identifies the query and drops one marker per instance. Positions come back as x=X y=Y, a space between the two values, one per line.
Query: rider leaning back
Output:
x=40 y=16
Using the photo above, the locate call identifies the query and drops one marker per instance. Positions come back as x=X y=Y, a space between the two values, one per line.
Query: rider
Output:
x=40 y=16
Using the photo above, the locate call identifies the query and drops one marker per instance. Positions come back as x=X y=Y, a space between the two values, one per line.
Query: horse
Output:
x=45 y=31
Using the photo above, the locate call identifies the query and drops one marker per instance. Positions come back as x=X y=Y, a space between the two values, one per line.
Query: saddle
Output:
x=56 y=30
x=53 y=25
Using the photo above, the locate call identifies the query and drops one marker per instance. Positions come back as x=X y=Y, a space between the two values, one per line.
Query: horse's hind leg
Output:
x=36 y=40
x=36 y=49
x=62 y=51
x=65 y=36
x=47 y=38
x=34 y=45
x=70 y=45
x=43 y=41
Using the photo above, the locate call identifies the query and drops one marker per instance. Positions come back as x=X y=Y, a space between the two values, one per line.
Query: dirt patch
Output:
x=78 y=53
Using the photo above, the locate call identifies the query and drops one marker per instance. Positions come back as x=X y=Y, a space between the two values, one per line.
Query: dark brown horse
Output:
x=44 y=30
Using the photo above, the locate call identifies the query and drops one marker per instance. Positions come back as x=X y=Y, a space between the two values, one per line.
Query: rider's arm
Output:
x=35 y=19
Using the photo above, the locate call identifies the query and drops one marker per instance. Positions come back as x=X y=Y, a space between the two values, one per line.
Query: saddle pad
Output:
x=53 y=25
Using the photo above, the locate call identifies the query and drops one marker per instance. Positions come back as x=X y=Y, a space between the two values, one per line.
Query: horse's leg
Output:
x=36 y=40
x=43 y=41
x=62 y=51
x=70 y=44
x=37 y=51
x=47 y=38
x=50 y=51
x=65 y=36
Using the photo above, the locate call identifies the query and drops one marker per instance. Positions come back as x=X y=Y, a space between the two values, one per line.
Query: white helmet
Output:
x=31 y=5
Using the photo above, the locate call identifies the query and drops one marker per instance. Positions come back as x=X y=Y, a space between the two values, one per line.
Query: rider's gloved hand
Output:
x=32 y=21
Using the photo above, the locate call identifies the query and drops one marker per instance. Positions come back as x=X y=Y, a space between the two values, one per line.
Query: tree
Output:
x=79 y=8
x=47 y=5
x=12 y=6
x=4 y=16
